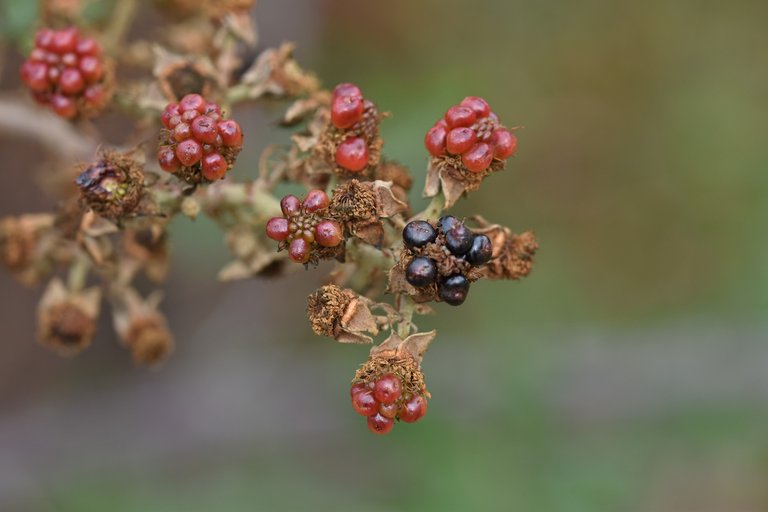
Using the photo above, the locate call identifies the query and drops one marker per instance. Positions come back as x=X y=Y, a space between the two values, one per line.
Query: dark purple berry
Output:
x=481 y=250
x=421 y=271
x=454 y=289
x=458 y=239
x=418 y=234
x=446 y=222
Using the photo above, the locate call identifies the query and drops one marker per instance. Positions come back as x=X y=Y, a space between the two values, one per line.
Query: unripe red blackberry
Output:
x=413 y=410
x=346 y=111
x=379 y=424
x=303 y=230
x=352 y=154
x=418 y=233
x=471 y=131
x=364 y=403
x=387 y=389
x=66 y=72
x=205 y=146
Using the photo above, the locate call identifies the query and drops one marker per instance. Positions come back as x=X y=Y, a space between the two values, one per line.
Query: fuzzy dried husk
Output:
x=66 y=321
x=26 y=242
x=341 y=314
x=448 y=174
x=113 y=185
x=360 y=206
x=513 y=254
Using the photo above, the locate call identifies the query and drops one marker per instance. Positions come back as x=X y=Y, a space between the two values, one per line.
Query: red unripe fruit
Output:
x=379 y=424
x=346 y=111
x=37 y=55
x=189 y=115
x=192 y=102
x=478 y=158
x=69 y=59
x=204 y=129
x=347 y=89
x=94 y=94
x=53 y=74
x=71 y=81
x=357 y=388
x=460 y=116
x=230 y=132
x=91 y=68
x=308 y=236
x=189 y=152
x=364 y=403
x=387 y=389
x=290 y=205
x=212 y=108
x=170 y=111
x=182 y=132
x=460 y=140
x=352 y=154
x=63 y=106
x=277 y=228
x=35 y=75
x=44 y=38
x=299 y=250
x=214 y=166
x=316 y=200
x=64 y=41
x=328 y=233
x=388 y=410
x=166 y=157
x=414 y=409
x=478 y=105
x=88 y=46
x=434 y=141
x=504 y=143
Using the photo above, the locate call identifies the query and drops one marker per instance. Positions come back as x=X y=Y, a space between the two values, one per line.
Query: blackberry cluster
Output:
x=383 y=401
x=470 y=130
x=197 y=142
x=357 y=121
x=444 y=255
x=302 y=228
x=66 y=72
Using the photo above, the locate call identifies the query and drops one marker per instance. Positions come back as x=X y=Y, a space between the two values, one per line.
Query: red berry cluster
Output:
x=66 y=72
x=357 y=119
x=302 y=227
x=382 y=401
x=472 y=131
x=198 y=140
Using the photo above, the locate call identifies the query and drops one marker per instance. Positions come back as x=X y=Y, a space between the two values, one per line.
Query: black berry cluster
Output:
x=384 y=400
x=443 y=255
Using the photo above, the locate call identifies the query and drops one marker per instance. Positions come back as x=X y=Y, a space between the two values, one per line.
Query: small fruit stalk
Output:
x=440 y=261
x=198 y=144
x=466 y=145
x=68 y=73
x=304 y=231
x=351 y=141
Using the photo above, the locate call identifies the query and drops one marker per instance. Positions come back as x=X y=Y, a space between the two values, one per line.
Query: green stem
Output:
x=78 y=273
x=406 y=308
x=122 y=19
x=434 y=209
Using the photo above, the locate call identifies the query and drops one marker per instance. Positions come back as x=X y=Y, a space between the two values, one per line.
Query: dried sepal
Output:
x=253 y=256
x=302 y=108
x=448 y=174
x=513 y=254
x=276 y=72
x=341 y=314
x=26 y=242
x=66 y=320
x=399 y=176
x=141 y=327
x=178 y=75
x=146 y=244
x=360 y=206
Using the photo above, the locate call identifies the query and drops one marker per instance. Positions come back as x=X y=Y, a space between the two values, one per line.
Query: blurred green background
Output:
x=629 y=372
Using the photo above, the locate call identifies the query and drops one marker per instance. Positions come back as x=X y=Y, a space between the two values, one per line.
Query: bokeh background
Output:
x=629 y=372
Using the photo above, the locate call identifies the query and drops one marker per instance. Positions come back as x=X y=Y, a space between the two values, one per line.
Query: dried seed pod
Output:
x=341 y=314
x=66 y=320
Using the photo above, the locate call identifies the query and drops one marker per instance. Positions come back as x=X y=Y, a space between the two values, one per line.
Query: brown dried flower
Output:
x=341 y=314
x=147 y=245
x=113 y=185
x=66 y=320
x=140 y=326
x=512 y=254
x=448 y=174
x=360 y=206
x=275 y=72
x=24 y=244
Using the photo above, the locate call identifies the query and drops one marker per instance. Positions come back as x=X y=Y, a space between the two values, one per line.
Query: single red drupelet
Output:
x=352 y=154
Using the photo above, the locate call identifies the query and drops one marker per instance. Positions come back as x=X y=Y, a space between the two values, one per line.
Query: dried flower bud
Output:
x=23 y=245
x=360 y=206
x=112 y=186
x=512 y=254
x=66 y=320
x=140 y=326
x=275 y=72
x=341 y=314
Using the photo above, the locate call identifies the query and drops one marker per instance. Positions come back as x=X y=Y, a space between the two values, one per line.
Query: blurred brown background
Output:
x=629 y=372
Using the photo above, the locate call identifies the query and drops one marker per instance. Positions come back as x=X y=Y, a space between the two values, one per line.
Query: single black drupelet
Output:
x=421 y=271
x=418 y=233
x=458 y=239
x=453 y=289
x=481 y=251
